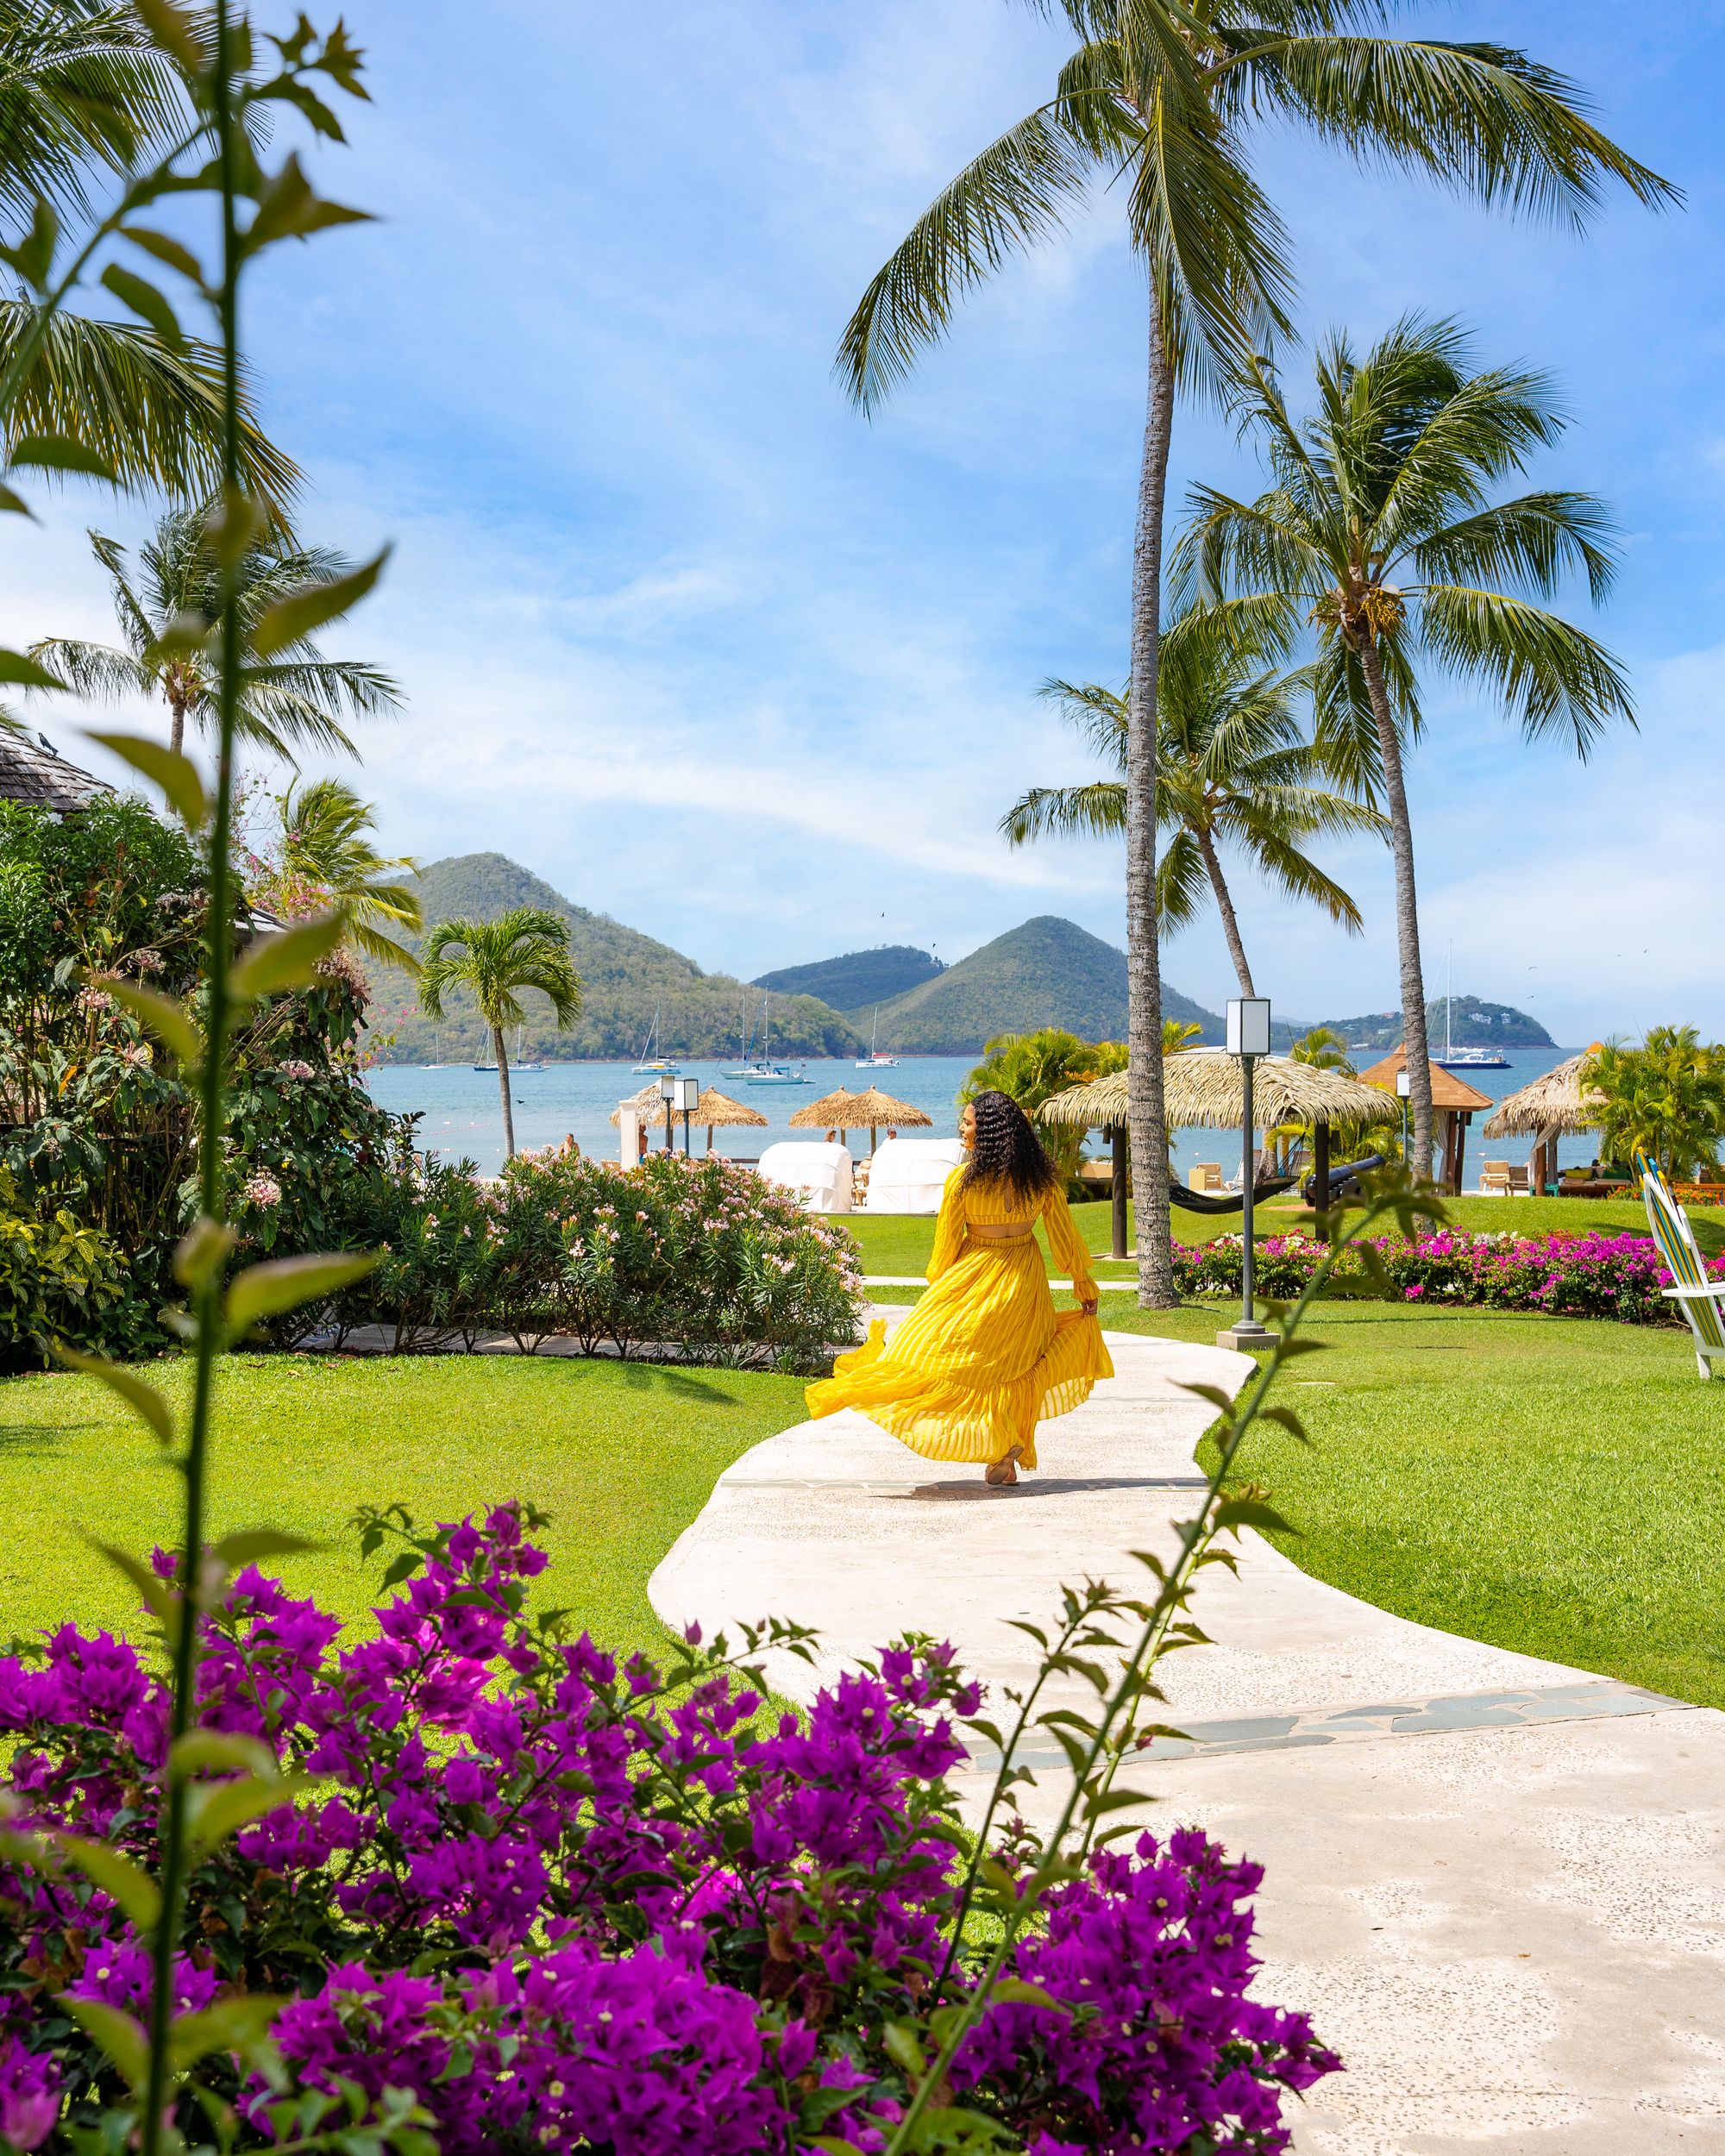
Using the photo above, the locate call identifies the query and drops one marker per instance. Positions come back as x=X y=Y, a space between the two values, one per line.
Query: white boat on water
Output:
x=1455 y=1058
x=877 y=1058
x=651 y=1065
x=771 y=1074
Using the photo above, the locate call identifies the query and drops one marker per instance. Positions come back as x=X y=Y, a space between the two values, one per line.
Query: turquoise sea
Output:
x=461 y=1114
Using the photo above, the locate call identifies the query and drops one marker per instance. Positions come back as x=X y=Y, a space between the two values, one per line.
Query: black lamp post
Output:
x=668 y=1093
x=1248 y=1038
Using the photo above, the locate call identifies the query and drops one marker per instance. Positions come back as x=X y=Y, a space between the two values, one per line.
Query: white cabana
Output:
x=909 y=1174
x=821 y=1173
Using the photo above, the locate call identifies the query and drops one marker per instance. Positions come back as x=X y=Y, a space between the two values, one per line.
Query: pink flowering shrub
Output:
x=562 y=1905
x=698 y=1257
x=1594 y=1274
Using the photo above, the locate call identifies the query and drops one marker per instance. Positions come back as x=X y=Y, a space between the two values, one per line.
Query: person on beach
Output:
x=984 y=1357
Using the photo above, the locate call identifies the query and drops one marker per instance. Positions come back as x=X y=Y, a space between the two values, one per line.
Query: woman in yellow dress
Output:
x=984 y=1357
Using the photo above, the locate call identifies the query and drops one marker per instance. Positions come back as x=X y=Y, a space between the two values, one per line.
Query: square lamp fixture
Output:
x=687 y=1097
x=668 y=1090
x=1404 y=1083
x=1249 y=1025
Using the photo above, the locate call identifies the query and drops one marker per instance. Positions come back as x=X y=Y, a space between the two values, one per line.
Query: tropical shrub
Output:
x=1665 y=1098
x=1591 y=1276
x=698 y=1257
x=497 y=1893
x=59 y=1281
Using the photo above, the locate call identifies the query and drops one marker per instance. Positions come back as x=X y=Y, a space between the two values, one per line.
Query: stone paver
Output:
x=1498 y=1882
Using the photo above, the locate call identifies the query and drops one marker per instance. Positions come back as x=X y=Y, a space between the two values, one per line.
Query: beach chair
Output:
x=1494 y=1179
x=1701 y=1299
x=1521 y=1182
x=1206 y=1175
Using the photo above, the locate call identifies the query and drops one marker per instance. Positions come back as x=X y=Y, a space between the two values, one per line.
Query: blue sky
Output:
x=713 y=653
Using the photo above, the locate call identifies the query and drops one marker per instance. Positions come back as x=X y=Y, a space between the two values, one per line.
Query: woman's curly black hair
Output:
x=1008 y=1150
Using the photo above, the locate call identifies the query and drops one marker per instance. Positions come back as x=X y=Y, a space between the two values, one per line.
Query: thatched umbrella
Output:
x=719 y=1111
x=866 y=1111
x=1557 y=1106
x=648 y=1104
x=828 y=1114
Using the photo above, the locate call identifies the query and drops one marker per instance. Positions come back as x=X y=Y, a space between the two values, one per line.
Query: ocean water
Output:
x=462 y=1114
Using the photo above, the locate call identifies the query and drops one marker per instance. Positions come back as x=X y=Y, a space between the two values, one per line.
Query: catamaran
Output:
x=1455 y=1058
x=763 y=1071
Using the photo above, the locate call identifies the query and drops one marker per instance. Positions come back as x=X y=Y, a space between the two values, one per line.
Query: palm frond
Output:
x=1537 y=540
x=1016 y=193
x=155 y=415
x=96 y=672
x=81 y=86
x=1100 y=716
x=1182 y=882
x=1553 y=677
x=1096 y=811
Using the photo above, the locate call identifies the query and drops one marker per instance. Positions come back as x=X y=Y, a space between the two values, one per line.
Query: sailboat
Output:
x=874 y=1060
x=1454 y=1058
x=763 y=1071
x=650 y=1064
x=519 y=1068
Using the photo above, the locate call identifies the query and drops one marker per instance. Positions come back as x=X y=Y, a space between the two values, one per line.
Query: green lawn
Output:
x=896 y=1244
x=621 y=1455
x=1551 y=1484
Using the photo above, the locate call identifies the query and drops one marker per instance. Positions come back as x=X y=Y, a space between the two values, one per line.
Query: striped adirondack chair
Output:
x=1701 y=1299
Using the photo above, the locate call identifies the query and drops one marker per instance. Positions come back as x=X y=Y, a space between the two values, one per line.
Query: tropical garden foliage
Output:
x=1665 y=1098
x=321 y=856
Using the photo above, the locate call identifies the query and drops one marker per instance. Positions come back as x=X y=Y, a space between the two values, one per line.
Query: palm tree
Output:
x=1156 y=104
x=528 y=948
x=1380 y=528
x=326 y=841
x=82 y=87
x=1231 y=768
x=296 y=696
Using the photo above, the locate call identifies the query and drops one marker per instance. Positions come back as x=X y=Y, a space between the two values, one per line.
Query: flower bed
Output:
x=1588 y=1276
x=698 y=1255
x=558 y=1905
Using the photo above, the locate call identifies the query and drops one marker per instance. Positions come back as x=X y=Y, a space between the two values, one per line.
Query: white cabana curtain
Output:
x=820 y=1173
x=909 y=1174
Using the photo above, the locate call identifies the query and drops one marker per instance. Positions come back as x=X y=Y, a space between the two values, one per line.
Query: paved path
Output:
x=1498 y=1883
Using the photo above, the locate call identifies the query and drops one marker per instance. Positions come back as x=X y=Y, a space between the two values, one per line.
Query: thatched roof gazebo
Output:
x=868 y=1111
x=1204 y=1088
x=1557 y=1106
x=1454 y=1104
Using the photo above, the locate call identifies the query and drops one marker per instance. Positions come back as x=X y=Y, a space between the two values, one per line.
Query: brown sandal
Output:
x=1004 y=1472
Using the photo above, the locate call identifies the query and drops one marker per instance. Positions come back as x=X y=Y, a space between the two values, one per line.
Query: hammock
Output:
x=1234 y=1202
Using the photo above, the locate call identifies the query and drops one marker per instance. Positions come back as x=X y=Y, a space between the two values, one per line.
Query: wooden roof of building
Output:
x=1447 y=1090
x=32 y=770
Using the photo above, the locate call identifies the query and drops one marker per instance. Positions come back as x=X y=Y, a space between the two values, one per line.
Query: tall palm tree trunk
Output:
x=1407 y=910
x=1145 y=1109
x=176 y=732
x=503 y=1081
x=1225 y=906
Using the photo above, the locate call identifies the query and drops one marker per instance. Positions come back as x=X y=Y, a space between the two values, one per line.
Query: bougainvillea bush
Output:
x=541 y=1902
x=698 y=1257
x=1589 y=1275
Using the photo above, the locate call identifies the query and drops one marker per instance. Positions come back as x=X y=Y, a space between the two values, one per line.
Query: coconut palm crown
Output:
x=1232 y=770
x=326 y=841
x=1384 y=528
x=1155 y=105
x=525 y=948
x=296 y=699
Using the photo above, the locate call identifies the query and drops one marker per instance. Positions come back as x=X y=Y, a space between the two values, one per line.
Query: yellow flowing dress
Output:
x=984 y=1357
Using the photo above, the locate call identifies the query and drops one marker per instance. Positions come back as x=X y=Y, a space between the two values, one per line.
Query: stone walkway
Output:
x=1498 y=1884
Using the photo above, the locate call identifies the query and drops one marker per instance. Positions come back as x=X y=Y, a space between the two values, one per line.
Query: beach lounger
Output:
x=1206 y=1175
x=1701 y=1300
x=1521 y=1182
x=1494 y=1179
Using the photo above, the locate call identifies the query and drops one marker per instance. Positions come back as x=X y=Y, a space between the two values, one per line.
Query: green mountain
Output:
x=1049 y=972
x=860 y=979
x=627 y=979
x=1473 y=1023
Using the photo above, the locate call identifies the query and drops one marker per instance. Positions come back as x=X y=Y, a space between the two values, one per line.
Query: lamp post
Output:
x=668 y=1093
x=1404 y=1086
x=1248 y=1038
x=688 y=1098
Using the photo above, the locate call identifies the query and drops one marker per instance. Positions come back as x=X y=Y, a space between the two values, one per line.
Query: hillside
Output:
x=625 y=978
x=1473 y=1023
x=859 y=979
x=1049 y=972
